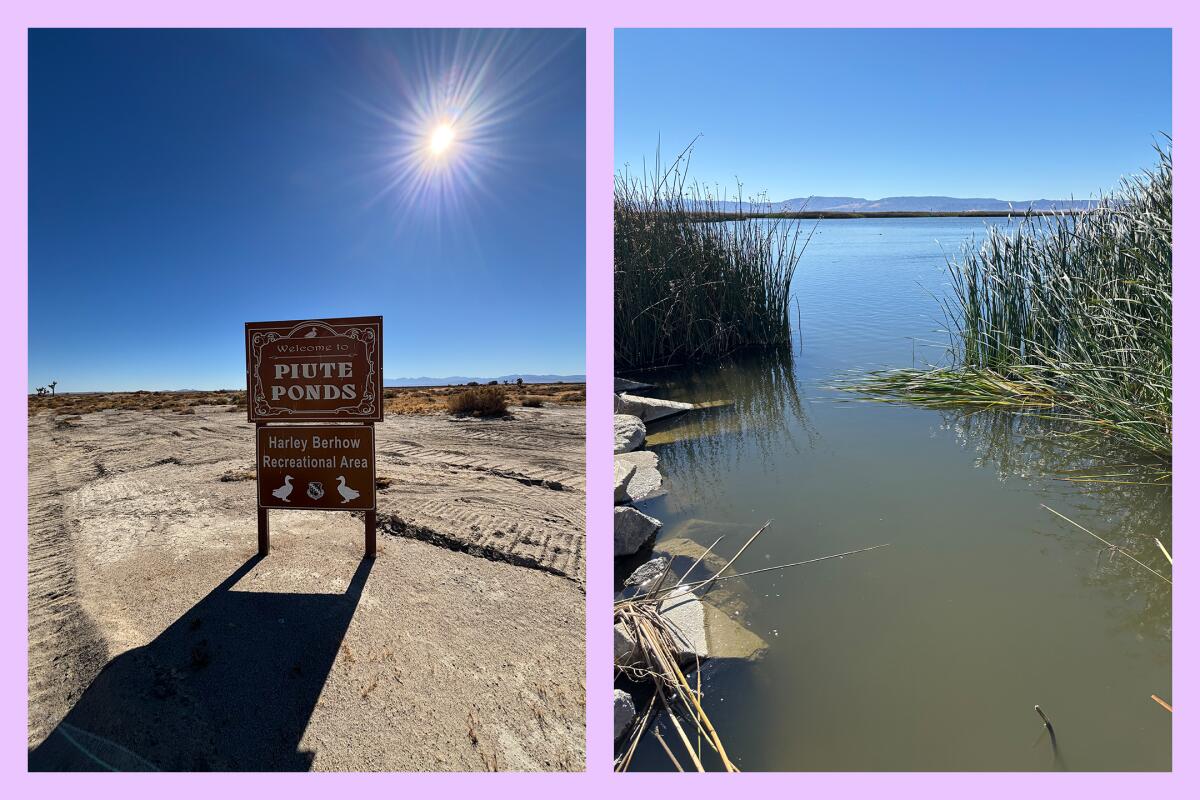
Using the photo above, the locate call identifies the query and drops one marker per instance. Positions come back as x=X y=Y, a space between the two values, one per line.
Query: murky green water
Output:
x=931 y=653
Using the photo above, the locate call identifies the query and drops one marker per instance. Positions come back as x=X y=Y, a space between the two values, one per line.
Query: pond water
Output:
x=928 y=654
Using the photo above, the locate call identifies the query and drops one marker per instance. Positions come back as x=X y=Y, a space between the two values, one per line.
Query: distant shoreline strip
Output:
x=734 y=216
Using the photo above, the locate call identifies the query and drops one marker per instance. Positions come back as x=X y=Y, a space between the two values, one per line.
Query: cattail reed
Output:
x=693 y=281
x=1069 y=315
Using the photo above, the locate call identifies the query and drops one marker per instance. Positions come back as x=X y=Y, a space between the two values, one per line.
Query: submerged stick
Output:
x=1049 y=729
x=665 y=747
x=679 y=729
x=637 y=735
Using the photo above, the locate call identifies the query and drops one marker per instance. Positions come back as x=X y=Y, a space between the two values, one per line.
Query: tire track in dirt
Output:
x=507 y=490
x=126 y=506
x=66 y=650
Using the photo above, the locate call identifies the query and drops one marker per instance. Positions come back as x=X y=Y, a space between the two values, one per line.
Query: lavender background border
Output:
x=599 y=19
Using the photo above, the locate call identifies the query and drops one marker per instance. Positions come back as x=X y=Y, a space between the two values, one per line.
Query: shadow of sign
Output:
x=230 y=685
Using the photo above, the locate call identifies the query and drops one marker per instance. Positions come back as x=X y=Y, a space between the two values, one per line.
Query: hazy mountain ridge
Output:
x=927 y=203
x=454 y=380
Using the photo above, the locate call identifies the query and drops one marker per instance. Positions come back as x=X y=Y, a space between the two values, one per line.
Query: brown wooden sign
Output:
x=316 y=467
x=317 y=370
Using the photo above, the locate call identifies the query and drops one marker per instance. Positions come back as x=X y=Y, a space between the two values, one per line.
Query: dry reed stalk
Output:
x=1162 y=703
x=1165 y=551
x=657 y=644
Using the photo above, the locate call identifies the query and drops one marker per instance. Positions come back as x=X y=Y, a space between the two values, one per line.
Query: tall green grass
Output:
x=688 y=289
x=1066 y=316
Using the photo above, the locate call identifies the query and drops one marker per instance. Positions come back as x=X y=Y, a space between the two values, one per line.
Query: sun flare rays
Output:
x=446 y=119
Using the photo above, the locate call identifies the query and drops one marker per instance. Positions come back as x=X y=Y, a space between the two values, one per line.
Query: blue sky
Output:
x=1012 y=114
x=182 y=183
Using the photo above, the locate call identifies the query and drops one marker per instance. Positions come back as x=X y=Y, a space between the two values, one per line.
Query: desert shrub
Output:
x=533 y=401
x=483 y=401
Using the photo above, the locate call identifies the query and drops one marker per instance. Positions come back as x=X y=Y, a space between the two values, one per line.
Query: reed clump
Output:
x=687 y=286
x=1067 y=315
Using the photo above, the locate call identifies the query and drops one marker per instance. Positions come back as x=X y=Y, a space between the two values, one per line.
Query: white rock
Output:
x=622 y=475
x=647 y=574
x=628 y=433
x=631 y=530
x=705 y=631
x=622 y=385
x=649 y=409
x=623 y=712
x=684 y=613
x=647 y=480
x=624 y=650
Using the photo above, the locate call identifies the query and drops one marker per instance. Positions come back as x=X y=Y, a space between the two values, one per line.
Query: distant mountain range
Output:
x=455 y=380
x=934 y=203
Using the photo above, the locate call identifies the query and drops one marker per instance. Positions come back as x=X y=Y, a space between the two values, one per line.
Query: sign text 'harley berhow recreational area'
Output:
x=316 y=467
x=328 y=370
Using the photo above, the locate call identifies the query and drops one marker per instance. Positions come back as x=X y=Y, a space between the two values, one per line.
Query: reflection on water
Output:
x=1129 y=503
x=929 y=654
x=756 y=407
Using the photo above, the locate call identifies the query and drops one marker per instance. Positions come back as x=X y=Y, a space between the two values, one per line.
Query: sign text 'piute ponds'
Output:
x=322 y=370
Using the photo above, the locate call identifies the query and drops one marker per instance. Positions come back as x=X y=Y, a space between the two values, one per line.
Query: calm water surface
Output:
x=931 y=653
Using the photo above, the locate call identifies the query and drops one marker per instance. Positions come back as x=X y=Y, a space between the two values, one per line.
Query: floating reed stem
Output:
x=1110 y=544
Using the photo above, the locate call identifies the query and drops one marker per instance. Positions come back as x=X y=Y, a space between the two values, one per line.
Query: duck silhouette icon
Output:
x=283 y=491
x=345 y=491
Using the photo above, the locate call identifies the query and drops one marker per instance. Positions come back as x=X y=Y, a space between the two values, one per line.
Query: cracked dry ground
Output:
x=159 y=640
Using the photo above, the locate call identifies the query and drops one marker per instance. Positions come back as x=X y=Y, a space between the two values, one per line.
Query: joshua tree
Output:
x=52 y=385
x=520 y=381
x=41 y=390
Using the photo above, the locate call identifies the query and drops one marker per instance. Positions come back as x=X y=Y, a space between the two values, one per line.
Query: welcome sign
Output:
x=301 y=372
x=319 y=370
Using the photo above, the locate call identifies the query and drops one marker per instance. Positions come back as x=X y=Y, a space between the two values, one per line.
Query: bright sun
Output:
x=443 y=135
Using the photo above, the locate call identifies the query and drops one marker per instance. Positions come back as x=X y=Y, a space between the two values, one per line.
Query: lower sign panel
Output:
x=316 y=467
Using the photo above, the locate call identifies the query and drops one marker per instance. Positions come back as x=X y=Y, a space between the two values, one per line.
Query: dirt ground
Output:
x=159 y=640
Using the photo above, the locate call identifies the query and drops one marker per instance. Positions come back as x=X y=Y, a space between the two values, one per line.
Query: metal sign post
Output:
x=303 y=372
